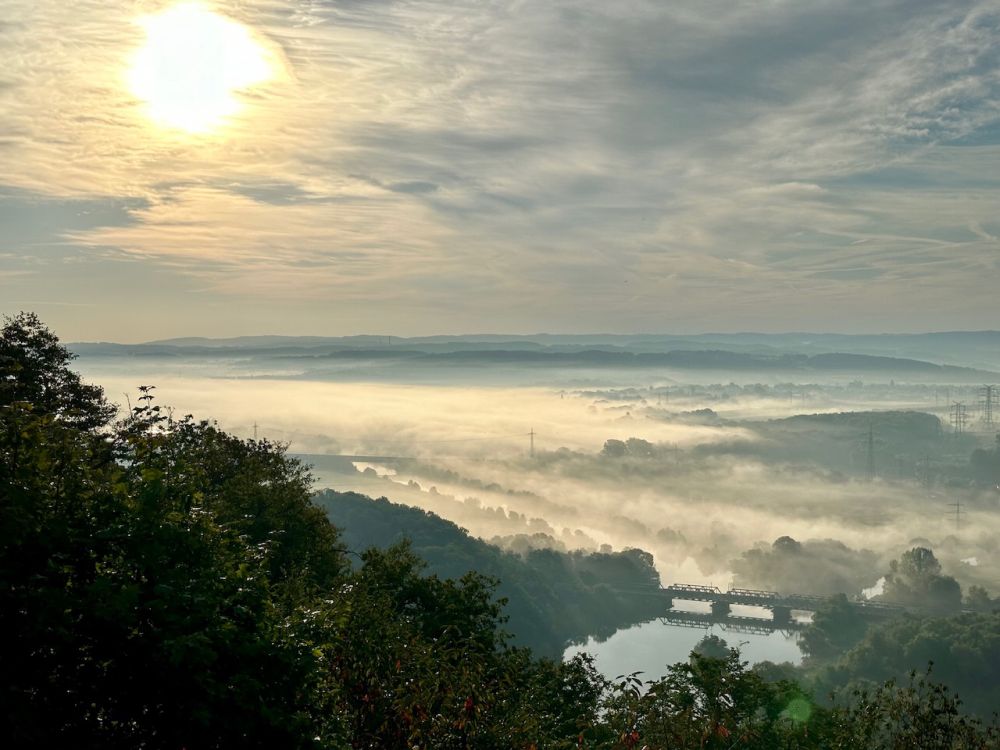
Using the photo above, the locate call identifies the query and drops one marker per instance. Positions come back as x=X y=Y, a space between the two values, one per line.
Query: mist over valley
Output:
x=552 y=443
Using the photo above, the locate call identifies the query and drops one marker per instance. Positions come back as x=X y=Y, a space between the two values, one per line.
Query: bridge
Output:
x=781 y=607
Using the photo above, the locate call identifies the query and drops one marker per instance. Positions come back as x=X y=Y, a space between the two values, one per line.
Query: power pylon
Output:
x=870 y=448
x=959 y=417
x=958 y=514
x=924 y=471
x=987 y=393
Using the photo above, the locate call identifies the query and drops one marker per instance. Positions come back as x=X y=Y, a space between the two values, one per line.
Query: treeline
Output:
x=985 y=465
x=844 y=651
x=964 y=650
x=907 y=445
x=166 y=585
x=552 y=598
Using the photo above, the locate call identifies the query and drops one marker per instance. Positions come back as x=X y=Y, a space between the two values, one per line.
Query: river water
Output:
x=651 y=646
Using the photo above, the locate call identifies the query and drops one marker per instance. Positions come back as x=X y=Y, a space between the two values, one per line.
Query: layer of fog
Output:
x=699 y=513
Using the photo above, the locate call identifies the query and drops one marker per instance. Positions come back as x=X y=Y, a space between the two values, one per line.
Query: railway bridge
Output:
x=781 y=607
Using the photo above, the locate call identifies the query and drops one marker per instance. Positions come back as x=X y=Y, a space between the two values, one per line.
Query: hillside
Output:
x=379 y=357
x=963 y=348
x=552 y=597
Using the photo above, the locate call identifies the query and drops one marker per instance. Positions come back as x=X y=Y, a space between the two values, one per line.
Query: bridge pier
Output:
x=781 y=615
x=720 y=608
x=669 y=602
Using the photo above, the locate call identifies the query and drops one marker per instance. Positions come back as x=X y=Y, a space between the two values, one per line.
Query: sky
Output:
x=414 y=167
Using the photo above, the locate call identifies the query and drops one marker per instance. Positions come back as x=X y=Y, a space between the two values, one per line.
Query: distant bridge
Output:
x=781 y=607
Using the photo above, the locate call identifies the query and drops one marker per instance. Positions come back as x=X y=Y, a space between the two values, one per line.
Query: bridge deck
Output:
x=770 y=599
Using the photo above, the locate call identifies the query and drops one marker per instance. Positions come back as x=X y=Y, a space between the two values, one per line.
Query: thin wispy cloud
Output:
x=514 y=166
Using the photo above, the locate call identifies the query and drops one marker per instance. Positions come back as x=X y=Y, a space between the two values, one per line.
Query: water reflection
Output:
x=651 y=646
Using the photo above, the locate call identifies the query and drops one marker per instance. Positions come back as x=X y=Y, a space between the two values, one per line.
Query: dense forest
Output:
x=964 y=650
x=164 y=584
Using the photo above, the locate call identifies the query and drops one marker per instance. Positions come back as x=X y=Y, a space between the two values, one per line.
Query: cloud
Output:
x=241 y=244
x=571 y=164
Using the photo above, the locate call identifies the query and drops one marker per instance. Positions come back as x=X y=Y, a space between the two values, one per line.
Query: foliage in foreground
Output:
x=166 y=585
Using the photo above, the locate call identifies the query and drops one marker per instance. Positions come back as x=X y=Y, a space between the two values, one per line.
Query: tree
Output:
x=614 y=448
x=34 y=372
x=978 y=598
x=421 y=661
x=638 y=447
x=137 y=609
x=919 y=715
x=710 y=702
x=985 y=465
x=836 y=627
x=822 y=566
x=916 y=579
x=965 y=651
x=917 y=563
x=712 y=646
x=250 y=487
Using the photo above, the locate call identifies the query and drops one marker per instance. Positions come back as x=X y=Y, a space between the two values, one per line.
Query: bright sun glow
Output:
x=193 y=65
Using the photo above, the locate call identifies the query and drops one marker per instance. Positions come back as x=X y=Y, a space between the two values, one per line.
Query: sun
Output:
x=193 y=65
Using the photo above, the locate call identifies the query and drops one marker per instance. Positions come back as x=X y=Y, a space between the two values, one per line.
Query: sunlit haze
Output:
x=192 y=66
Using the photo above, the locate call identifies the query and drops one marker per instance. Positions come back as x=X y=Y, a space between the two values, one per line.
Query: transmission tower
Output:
x=987 y=393
x=959 y=417
x=958 y=512
x=870 y=448
x=532 y=444
x=924 y=471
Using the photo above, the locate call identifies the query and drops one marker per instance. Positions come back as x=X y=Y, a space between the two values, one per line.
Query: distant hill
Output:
x=313 y=355
x=977 y=349
x=255 y=342
x=553 y=597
